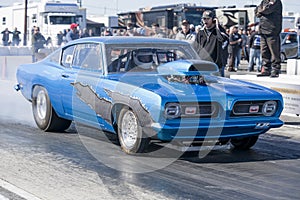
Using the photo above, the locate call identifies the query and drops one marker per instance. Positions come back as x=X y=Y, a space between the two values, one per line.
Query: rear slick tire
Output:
x=44 y=114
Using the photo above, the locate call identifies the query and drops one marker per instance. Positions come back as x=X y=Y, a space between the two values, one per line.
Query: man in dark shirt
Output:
x=5 y=37
x=37 y=41
x=16 y=38
x=270 y=26
x=209 y=40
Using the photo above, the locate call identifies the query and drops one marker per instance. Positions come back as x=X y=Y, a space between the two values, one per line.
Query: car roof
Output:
x=128 y=40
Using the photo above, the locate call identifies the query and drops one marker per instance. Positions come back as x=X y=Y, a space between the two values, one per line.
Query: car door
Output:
x=82 y=79
x=290 y=45
x=68 y=76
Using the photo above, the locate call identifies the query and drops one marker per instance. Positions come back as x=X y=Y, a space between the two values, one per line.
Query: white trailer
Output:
x=50 y=16
x=241 y=17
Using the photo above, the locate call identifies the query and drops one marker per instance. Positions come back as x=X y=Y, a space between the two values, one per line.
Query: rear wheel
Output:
x=44 y=114
x=130 y=133
x=244 y=143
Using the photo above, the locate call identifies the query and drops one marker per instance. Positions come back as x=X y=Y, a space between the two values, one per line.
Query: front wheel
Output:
x=130 y=133
x=244 y=143
x=44 y=114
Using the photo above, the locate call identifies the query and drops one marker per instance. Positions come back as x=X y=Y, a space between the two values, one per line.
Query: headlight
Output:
x=172 y=110
x=269 y=108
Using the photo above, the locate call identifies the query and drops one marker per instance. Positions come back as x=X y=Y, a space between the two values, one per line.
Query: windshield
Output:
x=194 y=15
x=66 y=20
x=124 y=59
x=282 y=35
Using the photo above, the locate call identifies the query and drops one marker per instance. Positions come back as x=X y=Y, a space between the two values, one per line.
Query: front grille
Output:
x=202 y=110
x=247 y=108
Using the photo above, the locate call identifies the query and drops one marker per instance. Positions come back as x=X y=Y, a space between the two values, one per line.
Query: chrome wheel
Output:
x=129 y=129
x=130 y=133
x=41 y=104
x=43 y=112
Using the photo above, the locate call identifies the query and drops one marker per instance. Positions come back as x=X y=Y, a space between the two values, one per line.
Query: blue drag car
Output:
x=143 y=90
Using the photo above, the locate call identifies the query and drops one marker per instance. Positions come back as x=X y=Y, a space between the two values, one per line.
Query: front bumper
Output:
x=213 y=130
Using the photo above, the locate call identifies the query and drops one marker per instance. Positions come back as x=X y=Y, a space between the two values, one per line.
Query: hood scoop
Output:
x=189 y=71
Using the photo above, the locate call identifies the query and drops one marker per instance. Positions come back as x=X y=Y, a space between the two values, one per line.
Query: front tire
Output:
x=244 y=143
x=130 y=133
x=44 y=114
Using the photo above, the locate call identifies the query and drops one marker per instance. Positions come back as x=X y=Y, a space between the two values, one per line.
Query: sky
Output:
x=111 y=7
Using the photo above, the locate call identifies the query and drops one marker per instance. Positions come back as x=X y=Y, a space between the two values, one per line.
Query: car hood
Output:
x=193 y=79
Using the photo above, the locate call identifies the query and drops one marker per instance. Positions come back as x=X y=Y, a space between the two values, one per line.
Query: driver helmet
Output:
x=143 y=59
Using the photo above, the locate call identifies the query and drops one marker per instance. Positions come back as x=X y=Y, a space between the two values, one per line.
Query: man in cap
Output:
x=210 y=38
x=270 y=26
x=186 y=33
x=73 y=33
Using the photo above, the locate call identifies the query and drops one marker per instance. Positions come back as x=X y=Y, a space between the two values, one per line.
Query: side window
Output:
x=55 y=56
x=88 y=56
x=293 y=38
x=67 y=56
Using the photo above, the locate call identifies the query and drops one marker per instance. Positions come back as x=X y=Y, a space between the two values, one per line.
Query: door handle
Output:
x=65 y=75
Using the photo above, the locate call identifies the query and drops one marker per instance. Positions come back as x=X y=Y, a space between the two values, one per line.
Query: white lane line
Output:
x=18 y=191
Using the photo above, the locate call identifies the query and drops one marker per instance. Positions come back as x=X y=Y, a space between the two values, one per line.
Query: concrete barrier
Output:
x=9 y=64
x=15 y=51
x=293 y=67
x=21 y=51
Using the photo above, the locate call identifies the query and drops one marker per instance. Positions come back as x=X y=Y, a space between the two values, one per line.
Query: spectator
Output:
x=131 y=31
x=233 y=48
x=270 y=26
x=239 y=50
x=85 y=33
x=32 y=30
x=91 y=33
x=38 y=41
x=244 y=51
x=186 y=33
x=5 y=37
x=16 y=37
x=255 y=53
x=192 y=27
x=173 y=32
x=209 y=40
x=107 y=32
x=156 y=31
x=60 y=38
x=225 y=52
x=73 y=34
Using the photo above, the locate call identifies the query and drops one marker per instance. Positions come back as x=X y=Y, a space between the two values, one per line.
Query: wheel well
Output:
x=32 y=89
x=115 y=111
x=34 y=86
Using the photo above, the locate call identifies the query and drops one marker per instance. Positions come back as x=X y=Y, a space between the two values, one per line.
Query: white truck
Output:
x=50 y=16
